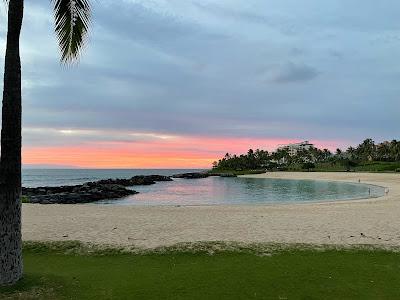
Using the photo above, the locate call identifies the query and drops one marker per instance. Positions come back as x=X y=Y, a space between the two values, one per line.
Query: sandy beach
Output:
x=372 y=221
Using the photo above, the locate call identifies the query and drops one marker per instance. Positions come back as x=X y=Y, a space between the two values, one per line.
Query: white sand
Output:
x=375 y=221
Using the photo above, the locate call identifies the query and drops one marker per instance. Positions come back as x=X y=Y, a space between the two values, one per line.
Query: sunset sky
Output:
x=178 y=83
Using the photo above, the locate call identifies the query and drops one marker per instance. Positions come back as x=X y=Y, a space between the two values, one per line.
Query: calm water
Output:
x=212 y=190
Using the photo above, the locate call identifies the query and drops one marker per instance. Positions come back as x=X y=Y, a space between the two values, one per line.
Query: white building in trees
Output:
x=292 y=149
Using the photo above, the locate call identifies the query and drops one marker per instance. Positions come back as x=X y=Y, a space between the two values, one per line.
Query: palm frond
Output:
x=72 y=19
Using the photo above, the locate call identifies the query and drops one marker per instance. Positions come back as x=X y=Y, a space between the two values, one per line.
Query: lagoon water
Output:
x=208 y=191
x=216 y=190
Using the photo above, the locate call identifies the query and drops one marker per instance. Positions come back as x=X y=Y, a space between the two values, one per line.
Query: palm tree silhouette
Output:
x=72 y=20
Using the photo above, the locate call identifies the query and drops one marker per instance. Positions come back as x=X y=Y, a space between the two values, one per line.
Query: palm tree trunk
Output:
x=10 y=164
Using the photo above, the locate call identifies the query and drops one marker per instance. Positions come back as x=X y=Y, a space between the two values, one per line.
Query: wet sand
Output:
x=372 y=221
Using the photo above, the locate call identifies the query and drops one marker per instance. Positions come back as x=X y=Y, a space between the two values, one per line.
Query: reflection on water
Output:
x=216 y=190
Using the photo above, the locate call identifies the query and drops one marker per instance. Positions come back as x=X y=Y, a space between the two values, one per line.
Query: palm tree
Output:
x=72 y=19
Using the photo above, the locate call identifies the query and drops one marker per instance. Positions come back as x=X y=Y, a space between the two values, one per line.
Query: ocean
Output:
x=58 y=177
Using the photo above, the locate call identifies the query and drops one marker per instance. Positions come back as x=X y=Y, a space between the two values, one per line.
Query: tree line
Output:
x=366 y=152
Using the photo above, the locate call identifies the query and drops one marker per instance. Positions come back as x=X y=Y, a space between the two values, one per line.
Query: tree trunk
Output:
x=10 y=164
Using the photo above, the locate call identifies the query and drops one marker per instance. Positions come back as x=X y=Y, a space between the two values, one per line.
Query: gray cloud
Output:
x=295 y=73
x=221 y=70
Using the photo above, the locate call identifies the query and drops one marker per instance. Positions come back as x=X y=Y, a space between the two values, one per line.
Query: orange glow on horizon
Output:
x=181 y=152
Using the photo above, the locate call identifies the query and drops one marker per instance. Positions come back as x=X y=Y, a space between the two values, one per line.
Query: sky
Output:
x=178 y=83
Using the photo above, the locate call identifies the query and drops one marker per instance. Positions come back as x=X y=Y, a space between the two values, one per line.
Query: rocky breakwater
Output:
x=194 y=175
x=136 y=180
x=199 y=175
x=88 y=192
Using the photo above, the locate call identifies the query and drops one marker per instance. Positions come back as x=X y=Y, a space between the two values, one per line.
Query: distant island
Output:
x=304 y=156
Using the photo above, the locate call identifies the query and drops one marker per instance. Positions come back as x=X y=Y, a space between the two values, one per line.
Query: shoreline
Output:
x=390 y=181
x=372 y=221
x=277 y=175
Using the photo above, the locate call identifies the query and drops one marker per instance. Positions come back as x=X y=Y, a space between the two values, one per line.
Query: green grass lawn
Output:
x=372 y=166
x=286 y=274
x=379 y=166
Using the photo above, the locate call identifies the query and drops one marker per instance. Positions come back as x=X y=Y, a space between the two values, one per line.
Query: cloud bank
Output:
x=205 y=71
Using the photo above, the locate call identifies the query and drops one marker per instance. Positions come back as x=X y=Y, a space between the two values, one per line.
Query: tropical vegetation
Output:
x=367 y=156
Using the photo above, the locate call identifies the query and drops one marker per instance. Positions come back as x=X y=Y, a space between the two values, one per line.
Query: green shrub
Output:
x=308 y=166
x=25 y=199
